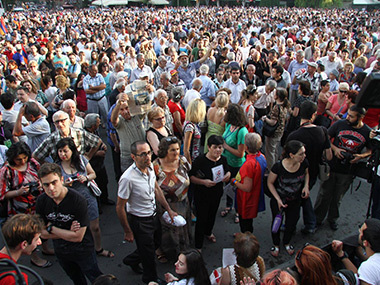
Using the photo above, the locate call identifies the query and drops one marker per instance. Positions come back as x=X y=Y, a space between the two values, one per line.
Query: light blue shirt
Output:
x=293 y=67
x=208 y=90
x=189 y=74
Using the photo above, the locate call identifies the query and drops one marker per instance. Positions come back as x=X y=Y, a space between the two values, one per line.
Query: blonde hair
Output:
x=61 y=82
x=196 y=111
x=350 y=64
x=221 y=102
x=154 y=112
x=361 y=61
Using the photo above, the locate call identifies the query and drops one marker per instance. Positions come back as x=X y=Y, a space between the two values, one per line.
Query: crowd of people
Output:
x=227 y=91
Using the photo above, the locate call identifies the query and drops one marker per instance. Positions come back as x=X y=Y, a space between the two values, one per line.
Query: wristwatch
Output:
x=49 y=229
x=345 y=255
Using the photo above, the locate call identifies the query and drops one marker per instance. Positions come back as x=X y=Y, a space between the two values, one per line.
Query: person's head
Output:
x=161 y=98
x=281 y=95
x=250 y=70
x=252 y=142
x=165 y=78
x=351 y=97
x=7 y=99
x=93 y=70
x=196 y=111
x=235 y=73
x=61 y=121
x=22 y=232
x=246 y=248
x=32 y=112
x=314 y=266
x=304 y=88
x=325 y=85
x=300 y=56
x=294 y=150
x=157 y=117
x=204 y=69
x=177 y=94
x=50 y=175
x=215 y=146
x=355 y=115
x=28 y=83
x=69 y=107
x=235 y=116
x=92 y=122
x=221 y=102
x=277 y=71
x=361 y=61
x=270 y=85
x=18 y=154
x=106 y=279
x=169 y=147
x=348 y=67
x=197 y=84
x=11 y=81
x=278 y=277
x=140 y=60
x=61 y=82
x=307 y=110
x=22 y=94
x=162 y=61
x=141 y=154
x=190 y=264
x=369 y=234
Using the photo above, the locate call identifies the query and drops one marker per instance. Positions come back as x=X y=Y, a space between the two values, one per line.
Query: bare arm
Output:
x=122 y=215
x=177 y=120
x=67 y=235
x=161 y=199
x=246 y=186
x=226 y=278
x=153 y=141
x=17 y=131
x=271 y=179
x=186 y=146
x=239 y=152
x=93 y=150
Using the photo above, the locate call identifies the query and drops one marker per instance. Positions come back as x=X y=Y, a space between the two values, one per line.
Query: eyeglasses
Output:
x=144 y=154
x=60 y=121
x=298 y=257
x=159 y=119
x=343 y=91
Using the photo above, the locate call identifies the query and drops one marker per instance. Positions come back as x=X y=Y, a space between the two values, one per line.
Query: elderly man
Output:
x=94 y=86
x=161 y=68
x=82 y=139
x=38 y=129
x=187 y=71
x=129 y=129
x=208 y=87
x=312 y=76
x=235 y=84
x=113 y=77
x=161 y=100
x=141 y=68
x=295 y=69
x=192 y=93
x=265 y=95
x=91 y=124
x=70 y=108
x=331 y=62
x=250 y=78
x=165 y=83
x=118 y=88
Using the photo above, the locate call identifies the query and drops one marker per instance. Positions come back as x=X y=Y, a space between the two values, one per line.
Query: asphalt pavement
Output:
x=353 y=211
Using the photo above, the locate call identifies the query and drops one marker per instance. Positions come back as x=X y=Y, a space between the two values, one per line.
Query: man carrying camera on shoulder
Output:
x=348 y=139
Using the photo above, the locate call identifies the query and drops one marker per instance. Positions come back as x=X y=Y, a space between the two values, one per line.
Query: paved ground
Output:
x=353 y=212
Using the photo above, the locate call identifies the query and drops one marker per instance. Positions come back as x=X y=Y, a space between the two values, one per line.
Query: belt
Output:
x=143 y=218
x=96 y=99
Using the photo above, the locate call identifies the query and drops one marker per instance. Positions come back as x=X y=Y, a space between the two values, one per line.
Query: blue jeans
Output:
x=309 y=219
x=80 y=267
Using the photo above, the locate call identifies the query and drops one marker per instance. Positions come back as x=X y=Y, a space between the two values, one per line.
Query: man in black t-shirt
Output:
x=349 y=137
x=316 y=143
x=64 y=212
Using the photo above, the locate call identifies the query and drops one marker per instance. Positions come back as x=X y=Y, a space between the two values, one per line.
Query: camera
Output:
x=347 y=157
x=33 y=188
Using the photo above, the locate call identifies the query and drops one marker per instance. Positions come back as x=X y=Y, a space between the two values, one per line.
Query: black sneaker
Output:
x=135 y=267
x=334 y=226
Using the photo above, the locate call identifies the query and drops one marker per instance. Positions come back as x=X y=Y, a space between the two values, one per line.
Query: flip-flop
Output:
x=100 y=252
x=290 y=249
x=162 y=258
x=275 y=251
x=47 y=264
x=211 y=238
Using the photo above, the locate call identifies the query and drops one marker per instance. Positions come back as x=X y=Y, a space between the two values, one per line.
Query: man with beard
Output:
x=348 y=139
x=187 y=71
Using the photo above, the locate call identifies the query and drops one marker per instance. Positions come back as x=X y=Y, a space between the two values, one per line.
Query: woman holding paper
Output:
x=171 y=170
x=209 y=172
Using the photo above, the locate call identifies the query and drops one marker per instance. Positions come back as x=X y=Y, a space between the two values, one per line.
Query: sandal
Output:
x=162 y=258
x=225 y=211
x=211 y=238
x=236 y=219
x=290 y=249
x=274 y=251
x=105 y=253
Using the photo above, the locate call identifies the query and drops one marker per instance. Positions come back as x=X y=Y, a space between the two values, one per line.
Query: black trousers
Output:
x=292 y=214
x=147 y=234
x=246 y=225
x=207 y=205
x=102 y=181
x=116 y=164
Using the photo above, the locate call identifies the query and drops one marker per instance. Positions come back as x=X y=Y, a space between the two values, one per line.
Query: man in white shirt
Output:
x=235 y=84
x=265 y=95
x=192 y=93
x=369 y=238
x=331 y=62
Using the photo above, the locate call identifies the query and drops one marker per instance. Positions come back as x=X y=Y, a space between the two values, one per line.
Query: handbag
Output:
x=94 y=188
x=324 y=171
x=269 y=130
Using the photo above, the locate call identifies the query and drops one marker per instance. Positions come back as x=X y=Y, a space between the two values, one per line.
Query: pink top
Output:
x=335 y=107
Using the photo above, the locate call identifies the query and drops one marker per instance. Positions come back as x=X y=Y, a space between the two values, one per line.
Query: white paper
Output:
x=229 y=257
x=229 y=190
x=139 y=100
x=217 y=173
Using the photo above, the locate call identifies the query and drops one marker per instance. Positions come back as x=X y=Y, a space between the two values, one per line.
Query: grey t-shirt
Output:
x=129 y=131
x=37 y=132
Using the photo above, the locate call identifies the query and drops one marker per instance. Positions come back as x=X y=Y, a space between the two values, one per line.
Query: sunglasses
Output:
x=60 y=121
x=159 y=119
x=298 y=257
x=343 y=91
x=171 y=139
